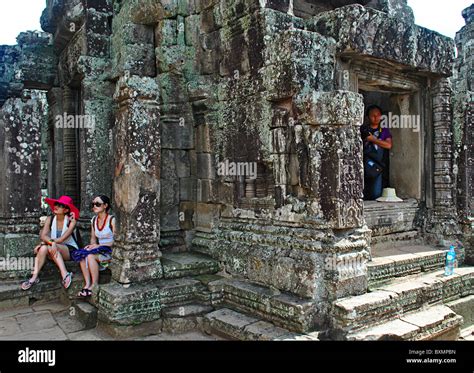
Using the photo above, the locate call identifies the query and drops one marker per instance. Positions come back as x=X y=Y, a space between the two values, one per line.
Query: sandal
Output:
x=84 y=293
x=28 y=284
x=67 y=280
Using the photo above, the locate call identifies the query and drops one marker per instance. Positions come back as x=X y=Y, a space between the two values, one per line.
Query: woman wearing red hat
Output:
x=57 y=238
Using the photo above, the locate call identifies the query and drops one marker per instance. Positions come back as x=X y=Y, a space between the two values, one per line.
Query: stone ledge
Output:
x=384 y=269
x=434 y=323
x=282 y=309
x=390 y=301
x=176 y=265
x=232 y=324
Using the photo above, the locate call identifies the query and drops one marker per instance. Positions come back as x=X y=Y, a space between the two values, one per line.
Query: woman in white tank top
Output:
x=58 y=240
x=98 y=254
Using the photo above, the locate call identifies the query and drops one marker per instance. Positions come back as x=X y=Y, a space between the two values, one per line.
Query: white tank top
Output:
x=106 y=235
x=56 y=234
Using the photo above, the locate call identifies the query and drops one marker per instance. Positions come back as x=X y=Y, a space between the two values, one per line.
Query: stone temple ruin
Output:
x=227 y=133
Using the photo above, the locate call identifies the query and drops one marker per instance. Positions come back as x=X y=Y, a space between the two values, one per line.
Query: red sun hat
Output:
x=65 y=200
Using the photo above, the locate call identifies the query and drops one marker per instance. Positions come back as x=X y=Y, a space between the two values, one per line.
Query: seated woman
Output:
x=98 y=254
x=58 y=241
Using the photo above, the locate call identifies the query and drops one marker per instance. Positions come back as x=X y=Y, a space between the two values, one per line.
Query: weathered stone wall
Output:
x=463 y=129
x=21 y=120
x=180 y=90
x=26 y=70
x=81 y=158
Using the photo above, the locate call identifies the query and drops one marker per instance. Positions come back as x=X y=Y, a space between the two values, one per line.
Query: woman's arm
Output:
x=385 y=144
x=93 y=236
x=45 y=232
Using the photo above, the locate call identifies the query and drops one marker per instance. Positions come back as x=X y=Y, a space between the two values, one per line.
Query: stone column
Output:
x=443 y=217
x=137 y=181
x=331 y=122
x=136 y=255
x=95 y=139
x=20 y=192
x=463 y=131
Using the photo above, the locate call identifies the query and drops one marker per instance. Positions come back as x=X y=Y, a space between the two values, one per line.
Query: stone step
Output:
x=86 y=313
x=400 y=297
x=465 y=308
x=228 y=323
x=433 y=323
x=383 y=269
x=184 y=318
x=282 y=309
x=11 y=295
x=186 y=264
x=25 y=266
x=467 y=334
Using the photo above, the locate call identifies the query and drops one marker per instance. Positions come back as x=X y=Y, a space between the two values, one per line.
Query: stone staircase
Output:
x=414 y=307
x=403 y=261
x=180 y=292
x=408 y=298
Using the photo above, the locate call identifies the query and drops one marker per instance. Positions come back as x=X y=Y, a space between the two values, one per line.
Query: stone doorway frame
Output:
x=357 y=72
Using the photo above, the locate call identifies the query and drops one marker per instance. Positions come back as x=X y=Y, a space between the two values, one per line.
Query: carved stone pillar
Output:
x=443 y=217
x=136 y=254
x=95 y=140
x=331 y=123
x=20 y=191
x=137 y=181
x=463 y=132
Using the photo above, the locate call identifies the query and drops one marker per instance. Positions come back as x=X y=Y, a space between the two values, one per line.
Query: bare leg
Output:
x=39 y=261
x=94 y=269
x=62 y=254
x=85 y=273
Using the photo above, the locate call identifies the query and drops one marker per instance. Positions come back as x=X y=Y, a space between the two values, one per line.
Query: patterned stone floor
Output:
x=54 y=321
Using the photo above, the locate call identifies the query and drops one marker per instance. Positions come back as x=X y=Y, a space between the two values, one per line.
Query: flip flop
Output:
x=28 y=284
x=67 y=280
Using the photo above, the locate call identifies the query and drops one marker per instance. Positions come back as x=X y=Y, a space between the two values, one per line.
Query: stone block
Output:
x=465 y=308
x=129 y=305
x=18 y=245
x=333 y=108
x=203 y=139
x=289 y=57
x=206 y=190
x=177 y=265
x=206 y=168
x=228 y=322
x=187 y=189
x=206 y=216
x=36 y=321
x=414 y=48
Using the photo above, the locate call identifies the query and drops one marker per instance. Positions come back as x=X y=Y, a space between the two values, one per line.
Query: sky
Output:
x=439 y=15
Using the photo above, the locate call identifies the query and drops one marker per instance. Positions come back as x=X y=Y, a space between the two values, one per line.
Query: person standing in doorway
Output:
x=377 y=142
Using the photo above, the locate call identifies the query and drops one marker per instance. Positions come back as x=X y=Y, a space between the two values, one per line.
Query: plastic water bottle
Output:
x=450 y=261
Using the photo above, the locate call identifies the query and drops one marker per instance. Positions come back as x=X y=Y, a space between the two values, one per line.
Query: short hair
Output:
x=372 y=107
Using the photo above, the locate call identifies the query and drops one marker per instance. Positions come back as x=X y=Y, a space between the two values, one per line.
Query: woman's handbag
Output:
x=372 y=168
x=373 y=165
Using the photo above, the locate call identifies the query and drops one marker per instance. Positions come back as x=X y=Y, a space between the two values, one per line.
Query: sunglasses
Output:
x=97 y=204
x=56 y=204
